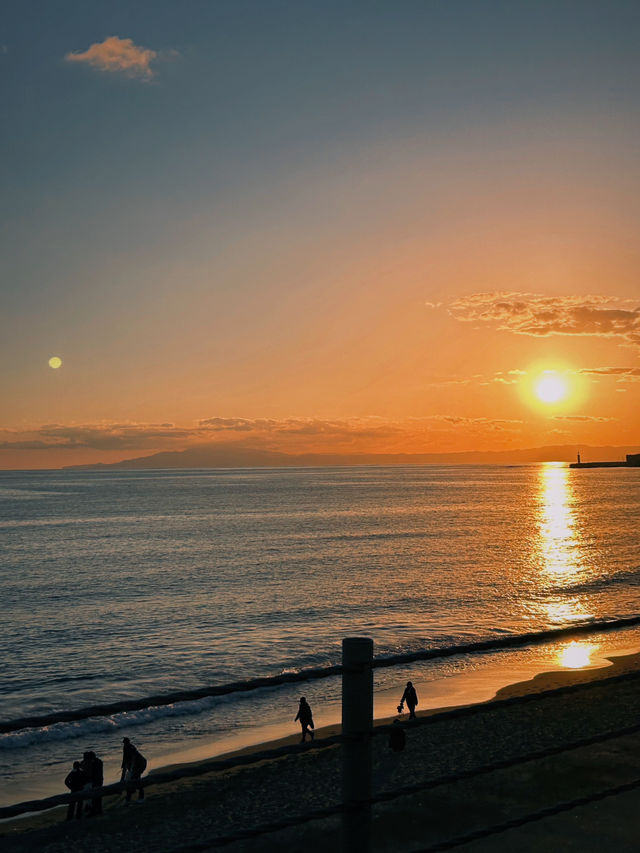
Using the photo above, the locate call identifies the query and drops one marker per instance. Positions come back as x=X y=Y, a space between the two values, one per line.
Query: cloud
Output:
x=582 y=418
x=95 y=437
x=621 y=374
x=436 y=381
x=351 y=429
x=515 y=376
x=457 y=419
x=134 y=436
x=347 y=429
x=501 y=377
x=533 y=314
x=292 y=435
x=474 y=425
x=118 y=55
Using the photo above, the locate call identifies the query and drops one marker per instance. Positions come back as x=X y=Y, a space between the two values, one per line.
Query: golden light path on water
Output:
x=560 y=552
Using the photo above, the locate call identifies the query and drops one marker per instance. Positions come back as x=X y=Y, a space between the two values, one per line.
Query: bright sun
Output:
x=551 y=388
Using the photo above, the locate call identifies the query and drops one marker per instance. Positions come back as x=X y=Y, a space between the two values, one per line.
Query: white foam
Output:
x=100 y=725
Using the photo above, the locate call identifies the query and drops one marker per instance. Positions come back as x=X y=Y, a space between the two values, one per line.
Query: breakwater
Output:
x=632 y=461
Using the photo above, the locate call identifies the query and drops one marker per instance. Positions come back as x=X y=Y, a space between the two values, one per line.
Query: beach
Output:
x=194 y=810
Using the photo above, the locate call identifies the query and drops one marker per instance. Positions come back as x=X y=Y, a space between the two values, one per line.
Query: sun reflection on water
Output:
x=559 y=543
x=557 y=532
x=576 y=655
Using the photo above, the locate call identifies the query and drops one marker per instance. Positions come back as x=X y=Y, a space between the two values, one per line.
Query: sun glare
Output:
x=576 y=655
x=551 y=388
x=55 y=361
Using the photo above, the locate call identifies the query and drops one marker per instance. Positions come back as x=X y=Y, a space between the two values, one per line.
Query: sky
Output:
x=318 y=226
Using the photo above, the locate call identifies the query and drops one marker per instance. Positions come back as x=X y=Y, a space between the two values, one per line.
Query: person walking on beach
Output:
x=133 y=766
x=306 y=719
x=411 y=698
x=92 y=766
x=75 y=781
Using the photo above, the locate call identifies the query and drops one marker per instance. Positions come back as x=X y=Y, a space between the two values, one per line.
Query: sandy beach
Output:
x=191 y=811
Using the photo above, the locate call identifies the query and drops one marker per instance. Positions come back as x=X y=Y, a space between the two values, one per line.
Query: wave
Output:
x=631 y=578
x=103 y=725
x=102 y=718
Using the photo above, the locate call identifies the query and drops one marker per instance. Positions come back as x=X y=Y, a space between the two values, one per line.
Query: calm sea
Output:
x=128 y=583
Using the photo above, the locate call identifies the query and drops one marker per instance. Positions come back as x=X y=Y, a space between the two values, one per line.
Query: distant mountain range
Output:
x=236 y=456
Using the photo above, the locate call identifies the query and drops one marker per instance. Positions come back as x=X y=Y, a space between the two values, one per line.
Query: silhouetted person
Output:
x=306 y=719
x=411 y=698
x=85 y=766
x=75 y=781
x=397 y=738
x=133 y=764
x=92 y=766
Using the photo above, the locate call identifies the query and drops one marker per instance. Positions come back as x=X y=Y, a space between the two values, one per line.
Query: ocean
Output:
x=121 y=584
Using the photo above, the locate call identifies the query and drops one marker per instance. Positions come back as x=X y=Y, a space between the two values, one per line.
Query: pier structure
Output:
x=632 y=461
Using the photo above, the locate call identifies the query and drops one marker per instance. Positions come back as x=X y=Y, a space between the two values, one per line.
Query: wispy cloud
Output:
x=118 y=55
x=103 y=436
x=501 y=377
x=582 y=418
x=294 y=435
x=533 y=314
x=345 y=432
x=620 y=374
x=489 y=423
x=516 y=376
x=437 y=381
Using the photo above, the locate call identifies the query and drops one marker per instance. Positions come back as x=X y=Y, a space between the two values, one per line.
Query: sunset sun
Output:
x=551 y=388
x=554 y=391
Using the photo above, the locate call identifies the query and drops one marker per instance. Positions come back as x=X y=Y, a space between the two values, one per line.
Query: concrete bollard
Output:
x=357 y=722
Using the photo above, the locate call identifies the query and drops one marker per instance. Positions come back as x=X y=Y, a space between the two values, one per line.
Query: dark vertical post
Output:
x=357 y=721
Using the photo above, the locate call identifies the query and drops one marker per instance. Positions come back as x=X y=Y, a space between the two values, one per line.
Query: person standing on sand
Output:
x=133 y=766
x=411 y=698
x=92 y=766
x=306 y=719
x=75 y=781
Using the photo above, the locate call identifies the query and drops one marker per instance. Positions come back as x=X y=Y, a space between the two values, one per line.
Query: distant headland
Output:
x=234 y=455
x=632 y=461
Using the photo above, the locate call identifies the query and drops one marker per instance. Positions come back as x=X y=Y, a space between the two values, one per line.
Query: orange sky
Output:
x=346 y=264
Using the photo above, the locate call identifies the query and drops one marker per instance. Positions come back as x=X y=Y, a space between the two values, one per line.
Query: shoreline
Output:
x=452 y=691
x=608 y=665
x=613 y=663
x=473 y=681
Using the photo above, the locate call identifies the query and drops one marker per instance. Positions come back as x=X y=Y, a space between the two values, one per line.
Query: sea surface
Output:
x=119 y=584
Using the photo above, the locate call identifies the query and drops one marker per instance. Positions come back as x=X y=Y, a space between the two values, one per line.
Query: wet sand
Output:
x=191 y=810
